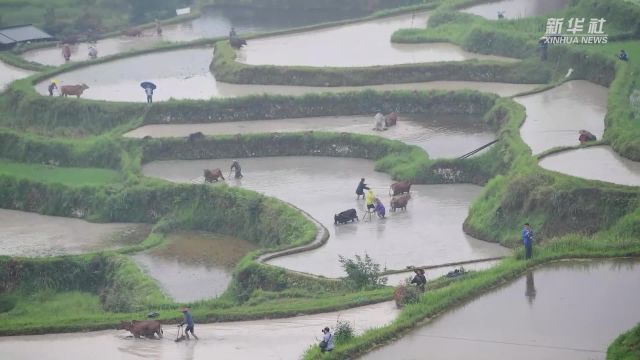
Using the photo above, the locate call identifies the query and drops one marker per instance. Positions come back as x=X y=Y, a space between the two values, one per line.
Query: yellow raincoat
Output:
x=370 y=198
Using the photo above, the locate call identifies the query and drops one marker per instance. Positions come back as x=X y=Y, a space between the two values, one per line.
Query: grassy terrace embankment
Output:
x=573 y=217
x=596 y=63
x=561 y=208
x=65 y=175
x=626 y=346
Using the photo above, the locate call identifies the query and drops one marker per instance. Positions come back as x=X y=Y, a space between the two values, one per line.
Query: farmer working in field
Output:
x=361 y=188
x=188 y=319
x=52 y=86
x=371 y=199
x=236 y=165
x=420 y=280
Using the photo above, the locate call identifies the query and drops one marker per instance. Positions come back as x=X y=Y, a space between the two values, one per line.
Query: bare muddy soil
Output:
x=361 y=44
x=567 y=310
x=429 y=232
x=263 y=339
x=555 y=116
x=595 y=163
x=439 y=135
x=194 y=265
x=31 y=234
x=214 y=22
x=514 y=9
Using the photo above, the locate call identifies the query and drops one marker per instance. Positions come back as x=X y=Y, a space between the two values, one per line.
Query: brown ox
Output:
x=132 y=32
x=391 y=119
x=400 y=188
x=400 y=202
x=212 y=175
x=76 y=90
x=146 y=328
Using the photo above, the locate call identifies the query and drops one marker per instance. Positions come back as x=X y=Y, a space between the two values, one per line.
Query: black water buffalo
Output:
x=345 y=216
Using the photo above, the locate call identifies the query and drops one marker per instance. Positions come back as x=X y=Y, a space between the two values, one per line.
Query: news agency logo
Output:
x=575 y=31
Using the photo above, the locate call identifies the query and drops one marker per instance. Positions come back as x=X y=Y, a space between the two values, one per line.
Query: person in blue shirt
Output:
x=188 y=319
x=527 y=240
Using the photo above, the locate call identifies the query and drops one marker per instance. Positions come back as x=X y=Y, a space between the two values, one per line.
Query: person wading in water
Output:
x=188 y=319
x=238 y=171
x=361 y=188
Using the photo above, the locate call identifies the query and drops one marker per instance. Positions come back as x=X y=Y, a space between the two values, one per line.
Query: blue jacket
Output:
x=527 y=236
x=188 y=319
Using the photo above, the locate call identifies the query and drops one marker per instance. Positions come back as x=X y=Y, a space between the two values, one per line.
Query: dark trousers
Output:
x=528 y=249
x=149 y=99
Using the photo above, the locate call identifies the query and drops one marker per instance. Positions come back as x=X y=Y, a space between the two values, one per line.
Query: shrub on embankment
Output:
x=264 y=107
x=24 y=109
x=219 y=209
x=554 y=204
x=118 y=282
x=517 y=38
x=625 y=346
x=401 y=161
x=227 y=69
x=98 y=152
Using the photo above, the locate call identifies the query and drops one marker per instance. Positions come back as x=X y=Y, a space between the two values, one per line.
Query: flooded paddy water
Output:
x=566 y=310
x=433 y=274
x=176 y=78
x=555 y=116
x=10 y=73
x=515 y=9
x=272 y=339
x=595 y=163
x=428 y=232
x=439 y=135
x=214 y=22
x=194 y=265
x=365 y=43
x=35 y=235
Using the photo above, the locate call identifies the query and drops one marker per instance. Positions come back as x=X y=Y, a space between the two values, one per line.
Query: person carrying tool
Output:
x=188 y=320
x=235 y=165
x=361 y=188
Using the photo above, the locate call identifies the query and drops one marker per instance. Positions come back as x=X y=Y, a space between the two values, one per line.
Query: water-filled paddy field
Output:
x=439 y=135
x=566 y=310
x=10 y=73
x=193 y=266
x=176 y=78
x=428 y=232
x=214 y=22
x=514 y=9
x=595 y=163
x=555 y=116
x=31 y=234
x=366 y=43
x=271 y=339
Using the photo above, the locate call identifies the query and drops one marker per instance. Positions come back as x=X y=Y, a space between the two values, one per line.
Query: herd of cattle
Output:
x=399 y=199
